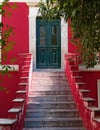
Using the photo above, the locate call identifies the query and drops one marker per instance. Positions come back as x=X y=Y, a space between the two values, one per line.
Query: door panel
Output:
x=41 y=57
x=48 y=46
x=54 y=59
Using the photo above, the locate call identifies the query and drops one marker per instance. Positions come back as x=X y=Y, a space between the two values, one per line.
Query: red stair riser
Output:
x=20 y=95
x=26 y=69
x=75 y=73
x=77 y=79
x=73 y=68
x=24 y=80
x=18 y=104
x=27 y=63
x=24 y=74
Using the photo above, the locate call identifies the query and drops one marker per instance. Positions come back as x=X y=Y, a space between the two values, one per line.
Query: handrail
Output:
x=85 y=106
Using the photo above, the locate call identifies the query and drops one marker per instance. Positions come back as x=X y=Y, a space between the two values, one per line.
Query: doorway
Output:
x=48 y=44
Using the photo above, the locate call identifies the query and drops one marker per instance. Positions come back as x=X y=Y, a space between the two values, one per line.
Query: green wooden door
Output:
x=48 y=44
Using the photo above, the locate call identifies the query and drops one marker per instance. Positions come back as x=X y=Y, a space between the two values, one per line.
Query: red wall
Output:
x=8 y=87
x=71 y=46
x=90 y=78
x=19 y=21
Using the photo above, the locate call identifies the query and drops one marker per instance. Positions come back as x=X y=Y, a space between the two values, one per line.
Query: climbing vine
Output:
x=84 y=16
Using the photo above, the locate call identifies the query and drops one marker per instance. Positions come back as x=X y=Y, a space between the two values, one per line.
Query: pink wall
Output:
x=10 y=84
x=18 y=20
x=90 y=78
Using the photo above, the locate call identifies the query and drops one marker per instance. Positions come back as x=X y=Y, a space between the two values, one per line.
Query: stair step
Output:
x=46 y=74
x=57 y=128
x=18 y=100
x=94 y=108
x=50 y=87
x=49 y=98
x=20 y=91
x=22 y=84
x=97 y=119
x=41 y=82
x=80 y=83
x=7 y=121
x=53 y=122
x=40 y=93
x=88 y=99
x=62 y=78
x=56 y=105
x=55 y=113
x=14 y=110
x=75 y=73
x=24 y=77
x=84 y=90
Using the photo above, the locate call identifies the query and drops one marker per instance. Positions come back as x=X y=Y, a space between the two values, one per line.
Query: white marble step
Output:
x=18 y=100
x=20 y=91
x=7 y=121
x=14 y=110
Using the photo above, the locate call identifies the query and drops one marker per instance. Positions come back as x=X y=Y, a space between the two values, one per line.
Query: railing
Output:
x=16 y=114
x=85 y=104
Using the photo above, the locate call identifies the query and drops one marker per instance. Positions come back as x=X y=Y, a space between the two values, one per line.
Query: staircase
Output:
x=50 y=104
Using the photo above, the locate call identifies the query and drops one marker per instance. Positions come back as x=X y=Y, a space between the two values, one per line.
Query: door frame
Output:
x=33 y=12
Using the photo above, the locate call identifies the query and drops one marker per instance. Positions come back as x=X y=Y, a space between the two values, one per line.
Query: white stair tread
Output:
x=94 y=108
x=6 y=121
x=97 y=119
x=84 y=90
x=21 y=91
x=18 y=100
x=88 y=99
x=14 y=110
x=80 y=83
x=23 y=77
x=23 y=83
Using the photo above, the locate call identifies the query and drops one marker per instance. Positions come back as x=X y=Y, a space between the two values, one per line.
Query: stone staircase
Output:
x=50 y=104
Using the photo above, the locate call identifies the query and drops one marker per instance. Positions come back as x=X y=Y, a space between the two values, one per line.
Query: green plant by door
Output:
x=84 y=16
